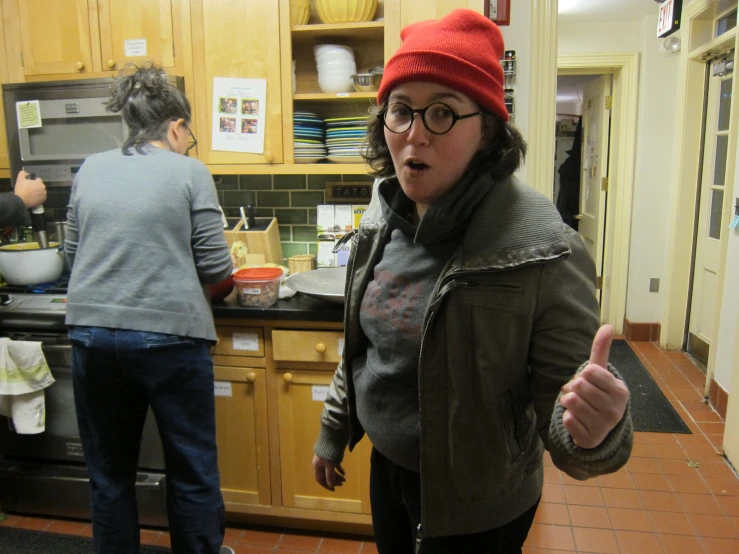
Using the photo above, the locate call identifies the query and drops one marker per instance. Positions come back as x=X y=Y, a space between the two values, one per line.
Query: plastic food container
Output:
x=258 y=287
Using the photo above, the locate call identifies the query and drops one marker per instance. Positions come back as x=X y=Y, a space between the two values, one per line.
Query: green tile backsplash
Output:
x=292 y=199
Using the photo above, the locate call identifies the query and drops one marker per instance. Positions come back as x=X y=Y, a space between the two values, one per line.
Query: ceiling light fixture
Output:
x=672 y=44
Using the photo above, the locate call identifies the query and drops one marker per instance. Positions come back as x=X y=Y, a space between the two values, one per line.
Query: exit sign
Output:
x=670 y=12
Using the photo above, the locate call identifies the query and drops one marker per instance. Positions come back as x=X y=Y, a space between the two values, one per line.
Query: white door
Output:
x=596 y=124
x=708 y=235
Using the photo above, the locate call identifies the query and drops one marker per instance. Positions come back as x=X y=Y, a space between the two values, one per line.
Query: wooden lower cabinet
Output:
x=242 y=435
x=299 y=403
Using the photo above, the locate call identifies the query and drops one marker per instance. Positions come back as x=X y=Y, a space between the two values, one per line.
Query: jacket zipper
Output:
x=347 y=310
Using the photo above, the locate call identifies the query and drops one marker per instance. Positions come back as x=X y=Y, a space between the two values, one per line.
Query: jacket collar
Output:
x=512 y=226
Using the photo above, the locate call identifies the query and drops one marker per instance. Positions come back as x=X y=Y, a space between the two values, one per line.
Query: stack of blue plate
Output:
x=310 y=146
x=344 y=138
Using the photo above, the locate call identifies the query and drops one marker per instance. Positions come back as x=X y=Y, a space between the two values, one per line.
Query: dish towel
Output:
x=24 y=374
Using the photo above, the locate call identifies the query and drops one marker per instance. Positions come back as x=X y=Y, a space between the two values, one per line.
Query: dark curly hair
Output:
x=148 y=102
x=504 y=154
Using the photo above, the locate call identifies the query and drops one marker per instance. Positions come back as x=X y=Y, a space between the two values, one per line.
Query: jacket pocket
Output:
x=491 y=422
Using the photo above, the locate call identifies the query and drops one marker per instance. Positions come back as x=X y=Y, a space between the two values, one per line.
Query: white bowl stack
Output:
x=336 y=66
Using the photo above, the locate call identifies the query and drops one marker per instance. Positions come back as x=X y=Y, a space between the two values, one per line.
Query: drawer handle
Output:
x=320 y=348
x=80 y=66
x=251 y=376
x=287 y=377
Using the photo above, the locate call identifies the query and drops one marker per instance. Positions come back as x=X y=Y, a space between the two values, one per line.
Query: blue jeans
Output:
x=117 y=375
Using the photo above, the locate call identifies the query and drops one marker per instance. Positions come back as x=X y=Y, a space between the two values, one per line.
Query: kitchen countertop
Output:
x=48 y=311
x=297 y=308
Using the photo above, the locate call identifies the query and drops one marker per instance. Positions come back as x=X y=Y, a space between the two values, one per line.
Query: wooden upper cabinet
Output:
x=55 y=36
x=4 y=159
x=128 y=28
x=237 y=39
x=63 y=37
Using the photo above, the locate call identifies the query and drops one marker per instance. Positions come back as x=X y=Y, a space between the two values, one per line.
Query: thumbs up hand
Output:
x=594 y=400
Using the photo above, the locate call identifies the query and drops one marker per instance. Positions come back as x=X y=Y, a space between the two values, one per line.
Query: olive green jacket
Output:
x=511 y=319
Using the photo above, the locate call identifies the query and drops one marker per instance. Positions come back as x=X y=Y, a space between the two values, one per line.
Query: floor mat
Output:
x=24 y=541
x=650 y=410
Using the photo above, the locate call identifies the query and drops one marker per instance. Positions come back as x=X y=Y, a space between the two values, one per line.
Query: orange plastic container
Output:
x=258 y=287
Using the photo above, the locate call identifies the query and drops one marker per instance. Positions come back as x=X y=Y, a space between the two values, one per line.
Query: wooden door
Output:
x=593 y=183
x=4 y=159
x=710 y=214
x=242 y=435
x=56 y=36
x=237 y=39
x=300 y=402
x=136 y=31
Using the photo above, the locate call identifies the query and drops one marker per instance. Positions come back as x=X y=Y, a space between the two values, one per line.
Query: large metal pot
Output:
x=27 y=264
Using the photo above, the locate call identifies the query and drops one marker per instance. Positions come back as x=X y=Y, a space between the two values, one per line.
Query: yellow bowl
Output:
x=299 y=12
x=346 y=11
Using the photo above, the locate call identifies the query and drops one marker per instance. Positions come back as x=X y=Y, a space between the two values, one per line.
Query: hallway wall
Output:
x=654 y=158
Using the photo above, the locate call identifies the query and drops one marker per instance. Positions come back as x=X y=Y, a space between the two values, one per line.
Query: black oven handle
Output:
x=57 y=347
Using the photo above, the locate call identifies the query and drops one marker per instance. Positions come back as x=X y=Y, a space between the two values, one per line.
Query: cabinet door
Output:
x=238 y=39
x=4 y=160
x=136 y=31
x=242 y=436
x=412 y=11
x=56 y=36
x=300 y=401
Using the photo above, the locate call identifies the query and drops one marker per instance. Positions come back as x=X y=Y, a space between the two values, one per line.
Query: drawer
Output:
x=307 y=346
x=239 y=341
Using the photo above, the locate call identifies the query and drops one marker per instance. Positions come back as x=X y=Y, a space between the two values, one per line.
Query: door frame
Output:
x=684 y=201
x=624 y=66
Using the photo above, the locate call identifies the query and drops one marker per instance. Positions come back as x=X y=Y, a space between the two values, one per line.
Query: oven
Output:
x=45 y=474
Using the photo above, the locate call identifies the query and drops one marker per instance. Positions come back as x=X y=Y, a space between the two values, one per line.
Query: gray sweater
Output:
x=144 y=239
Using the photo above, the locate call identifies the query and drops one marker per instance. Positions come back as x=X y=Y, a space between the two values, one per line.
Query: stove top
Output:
x=57 y=287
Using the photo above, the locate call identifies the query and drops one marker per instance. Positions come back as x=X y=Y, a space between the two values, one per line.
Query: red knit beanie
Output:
x=461 y=51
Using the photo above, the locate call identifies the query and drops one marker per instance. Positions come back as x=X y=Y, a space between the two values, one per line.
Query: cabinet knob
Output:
x=110 y=64
x=287 y=377
x=218 y=341
x=251 y=376
x=320 y=348
x=268 y=156
x=80 y=66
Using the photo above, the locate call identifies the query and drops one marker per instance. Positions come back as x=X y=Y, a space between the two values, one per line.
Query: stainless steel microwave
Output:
x=73 y=125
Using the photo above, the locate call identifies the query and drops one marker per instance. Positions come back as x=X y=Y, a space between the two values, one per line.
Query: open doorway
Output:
x=582 y=133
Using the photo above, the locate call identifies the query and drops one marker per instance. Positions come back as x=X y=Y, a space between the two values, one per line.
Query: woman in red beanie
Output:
x=471 y=322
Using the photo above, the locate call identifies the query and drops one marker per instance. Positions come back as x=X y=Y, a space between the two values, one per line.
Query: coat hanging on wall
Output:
x=568 y=199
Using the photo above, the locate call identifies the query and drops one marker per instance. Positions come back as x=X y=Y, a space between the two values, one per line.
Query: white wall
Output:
x=517 y=36
x=653 y=174
x=727 y=353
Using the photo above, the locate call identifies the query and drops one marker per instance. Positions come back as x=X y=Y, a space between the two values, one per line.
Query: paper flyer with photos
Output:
x=239 y=107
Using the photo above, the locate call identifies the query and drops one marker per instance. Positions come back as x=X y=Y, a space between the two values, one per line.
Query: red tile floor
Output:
x=676 y=495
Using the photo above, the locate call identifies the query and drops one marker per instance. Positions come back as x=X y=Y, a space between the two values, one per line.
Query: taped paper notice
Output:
x=340 y=347
x=29 y=114
x=246 y=341
x=223 y=388
x=134 y=47
x=320 y=392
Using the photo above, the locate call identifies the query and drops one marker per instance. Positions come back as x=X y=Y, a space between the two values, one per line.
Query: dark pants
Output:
x=117 y=374
x=395 y=495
